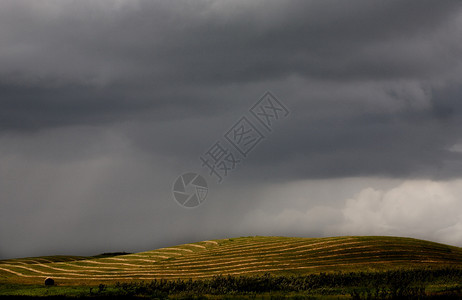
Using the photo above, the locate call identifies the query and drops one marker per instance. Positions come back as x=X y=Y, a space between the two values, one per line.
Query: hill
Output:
x=238 y=256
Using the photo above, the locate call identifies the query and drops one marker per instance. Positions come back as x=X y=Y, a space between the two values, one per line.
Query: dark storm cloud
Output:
x=33 y=107
x=60 y=52
x=104 y=103
x=366 y=137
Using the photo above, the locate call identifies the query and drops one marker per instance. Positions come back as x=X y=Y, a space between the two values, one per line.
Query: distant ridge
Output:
x=238 y=256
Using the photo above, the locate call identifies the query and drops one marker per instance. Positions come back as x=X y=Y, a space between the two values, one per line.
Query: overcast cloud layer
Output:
x=104 y=103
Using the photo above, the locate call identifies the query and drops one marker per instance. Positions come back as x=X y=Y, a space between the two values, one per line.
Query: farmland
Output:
x=237 y=257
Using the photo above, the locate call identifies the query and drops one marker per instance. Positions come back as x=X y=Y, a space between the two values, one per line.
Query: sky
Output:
x=104 y=104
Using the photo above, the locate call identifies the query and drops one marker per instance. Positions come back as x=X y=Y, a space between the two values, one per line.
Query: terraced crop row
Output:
x=241 y=256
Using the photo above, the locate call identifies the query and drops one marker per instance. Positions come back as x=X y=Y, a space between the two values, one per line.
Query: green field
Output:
x=245 y=256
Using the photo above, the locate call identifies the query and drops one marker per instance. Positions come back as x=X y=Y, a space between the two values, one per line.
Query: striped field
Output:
x=239 y=256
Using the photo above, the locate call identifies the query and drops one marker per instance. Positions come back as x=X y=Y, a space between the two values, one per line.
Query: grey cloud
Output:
x=104 y=103
x=80 y=62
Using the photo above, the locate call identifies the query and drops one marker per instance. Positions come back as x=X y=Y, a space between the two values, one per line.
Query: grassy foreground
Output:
x=292 y=266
